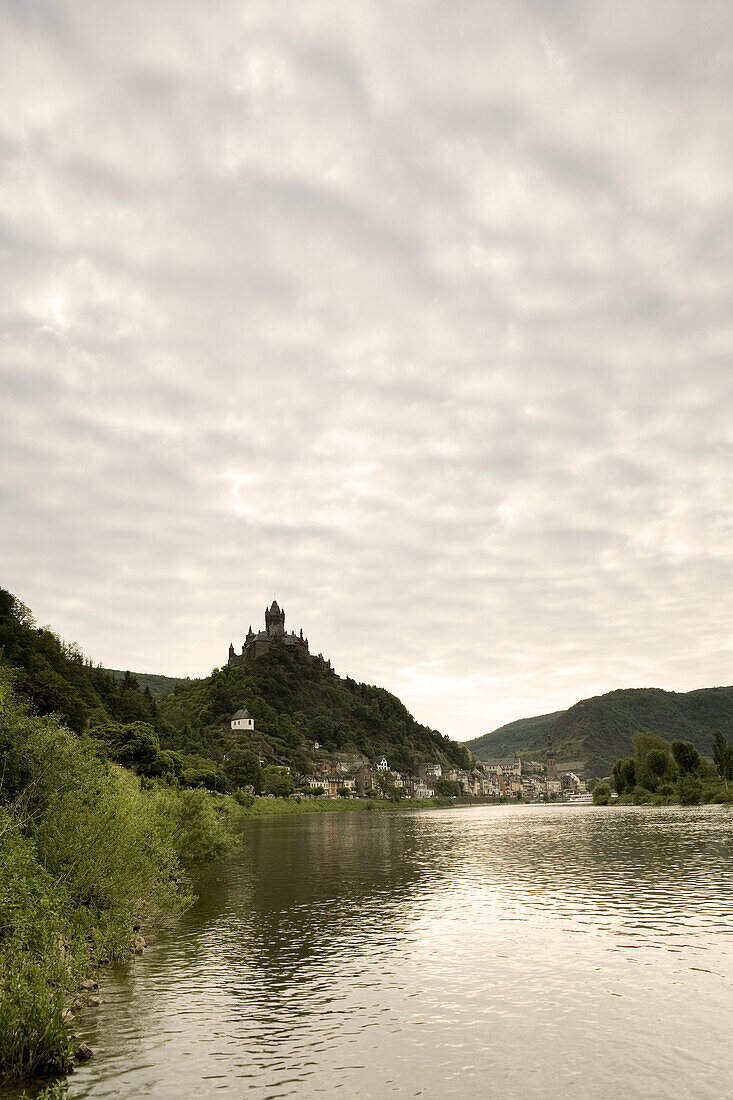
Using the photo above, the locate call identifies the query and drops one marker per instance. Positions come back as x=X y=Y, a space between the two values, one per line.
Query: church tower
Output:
x=274 y=620
x=551 y=764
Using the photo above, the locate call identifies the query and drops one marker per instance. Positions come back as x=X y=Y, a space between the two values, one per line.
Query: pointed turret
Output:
x=274 y=619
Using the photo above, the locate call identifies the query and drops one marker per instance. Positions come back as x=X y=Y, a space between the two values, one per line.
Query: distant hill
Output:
x=599 y=730
x=158 y=686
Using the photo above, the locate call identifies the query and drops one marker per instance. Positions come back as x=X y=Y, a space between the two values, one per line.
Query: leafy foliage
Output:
x=86 y=850
x=601 y=794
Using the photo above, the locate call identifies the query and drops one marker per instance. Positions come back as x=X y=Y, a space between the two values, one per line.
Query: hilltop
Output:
x=296 y=701
x=161 y=725
x=599 y=730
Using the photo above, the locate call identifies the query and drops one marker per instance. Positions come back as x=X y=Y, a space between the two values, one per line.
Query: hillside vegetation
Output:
x=157 y=685
x=599 y=730
x=184 y=734
x=297 y=701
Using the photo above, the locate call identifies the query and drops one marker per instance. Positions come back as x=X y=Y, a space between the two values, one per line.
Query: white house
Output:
x=243 y=720
x=382 y=765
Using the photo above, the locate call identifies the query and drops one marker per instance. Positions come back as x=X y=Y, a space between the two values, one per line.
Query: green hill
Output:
x=162 y=724
x=157 y=685
x=599 y=730
x=55 y=676
x=296 y=701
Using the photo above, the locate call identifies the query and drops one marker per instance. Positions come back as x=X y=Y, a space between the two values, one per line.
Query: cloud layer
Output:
x=416 y=315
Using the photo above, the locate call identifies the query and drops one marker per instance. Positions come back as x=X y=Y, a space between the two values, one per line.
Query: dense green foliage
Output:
x=601 y=794
x=600 y=730
x=297 y=701
x=665 y=774
x=157 y=685
x=87 y=852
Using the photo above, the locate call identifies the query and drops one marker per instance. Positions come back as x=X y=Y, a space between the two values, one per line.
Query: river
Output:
x=508 y=951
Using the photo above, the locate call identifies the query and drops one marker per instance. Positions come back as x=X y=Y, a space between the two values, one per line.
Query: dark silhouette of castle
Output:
x=257 y=644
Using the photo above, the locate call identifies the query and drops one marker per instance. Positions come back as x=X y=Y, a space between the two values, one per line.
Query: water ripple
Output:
x=509 y=951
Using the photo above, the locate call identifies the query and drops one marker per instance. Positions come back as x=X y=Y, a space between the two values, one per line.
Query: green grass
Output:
x=267 y=807
x=86 y=852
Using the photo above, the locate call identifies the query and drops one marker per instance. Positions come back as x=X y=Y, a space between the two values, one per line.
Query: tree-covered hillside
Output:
x=56 y=677
x=600 y=730
x=297 y=701
x=157 y=685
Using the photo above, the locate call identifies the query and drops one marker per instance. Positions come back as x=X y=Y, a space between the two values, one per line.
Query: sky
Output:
x=416 y=315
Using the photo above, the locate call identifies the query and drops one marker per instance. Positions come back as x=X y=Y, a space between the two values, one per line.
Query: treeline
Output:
x=664 y=773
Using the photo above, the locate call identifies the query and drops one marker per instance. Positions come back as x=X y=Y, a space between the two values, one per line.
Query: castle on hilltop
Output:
x=257 y=644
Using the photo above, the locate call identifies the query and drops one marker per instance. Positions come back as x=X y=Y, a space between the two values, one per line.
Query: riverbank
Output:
x=267 y=807
x=92 y=860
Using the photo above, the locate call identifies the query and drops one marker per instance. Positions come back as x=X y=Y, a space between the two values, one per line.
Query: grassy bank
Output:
x=267 y=807
x=88 y=856
x=711 y=792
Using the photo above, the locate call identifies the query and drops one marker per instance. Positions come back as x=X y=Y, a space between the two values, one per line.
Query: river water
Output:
x=508 y=951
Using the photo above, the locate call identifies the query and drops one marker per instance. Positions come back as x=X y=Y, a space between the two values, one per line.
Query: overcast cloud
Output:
x=416 y=314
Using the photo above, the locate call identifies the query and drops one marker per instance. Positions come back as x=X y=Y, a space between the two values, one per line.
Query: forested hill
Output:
x=599 y=730
x=297 y=700
x=157 y=685
x=55 y=677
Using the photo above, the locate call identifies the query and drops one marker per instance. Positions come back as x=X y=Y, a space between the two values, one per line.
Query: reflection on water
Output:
x=499 y=951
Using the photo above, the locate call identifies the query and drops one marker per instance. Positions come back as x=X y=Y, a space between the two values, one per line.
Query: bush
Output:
x=689 y=790
x=601 y=794
x=85 y=853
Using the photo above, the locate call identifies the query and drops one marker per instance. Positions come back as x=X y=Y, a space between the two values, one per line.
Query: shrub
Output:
x=689 y=790
x=84 y=853
x=601 y=794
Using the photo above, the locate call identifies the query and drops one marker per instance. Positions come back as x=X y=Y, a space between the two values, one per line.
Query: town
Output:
x=352 y=775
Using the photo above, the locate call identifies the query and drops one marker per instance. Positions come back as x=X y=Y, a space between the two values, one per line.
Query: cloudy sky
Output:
x=416 y=314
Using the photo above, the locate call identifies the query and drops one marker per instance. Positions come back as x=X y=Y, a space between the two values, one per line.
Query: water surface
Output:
x=494 y=951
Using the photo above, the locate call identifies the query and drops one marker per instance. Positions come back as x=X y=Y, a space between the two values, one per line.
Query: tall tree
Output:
x=722 y=757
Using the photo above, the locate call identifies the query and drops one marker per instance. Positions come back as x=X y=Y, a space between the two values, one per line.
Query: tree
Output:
x=278 y=783
x=657 y=762
x=138 y=747
x=686 y=756
x=601 y=794
x=385 y=784
x=723 y=757
x=448 y=788
x=689 y=789
x=653 y=761
x=242 y=769
x=344 y=792
x=620 y=774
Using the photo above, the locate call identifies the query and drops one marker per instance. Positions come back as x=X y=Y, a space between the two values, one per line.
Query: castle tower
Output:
x=274 y=620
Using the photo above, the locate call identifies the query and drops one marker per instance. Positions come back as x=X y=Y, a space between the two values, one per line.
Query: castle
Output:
x=257 y=644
